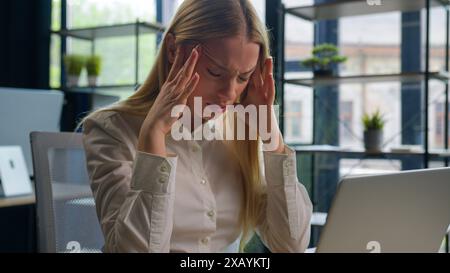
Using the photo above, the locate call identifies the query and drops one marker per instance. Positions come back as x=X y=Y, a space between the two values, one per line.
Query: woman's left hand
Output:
x=261 y=87
x=261 y=92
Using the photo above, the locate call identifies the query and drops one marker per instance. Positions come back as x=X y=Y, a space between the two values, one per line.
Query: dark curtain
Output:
x=25 y=43
x=24 y=63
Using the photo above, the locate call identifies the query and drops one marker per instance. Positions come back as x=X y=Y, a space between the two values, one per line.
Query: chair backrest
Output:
x=66 y=216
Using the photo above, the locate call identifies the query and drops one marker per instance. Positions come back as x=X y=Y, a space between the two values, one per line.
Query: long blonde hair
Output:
x=200 y=21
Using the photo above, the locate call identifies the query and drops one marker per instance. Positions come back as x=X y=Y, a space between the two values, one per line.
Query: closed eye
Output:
x=213 y=74
x=242 y=79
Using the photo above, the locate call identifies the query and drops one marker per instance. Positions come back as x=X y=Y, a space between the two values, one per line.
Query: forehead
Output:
x=236 y=53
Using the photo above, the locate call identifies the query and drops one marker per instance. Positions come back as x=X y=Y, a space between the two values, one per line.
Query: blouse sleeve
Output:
x=133 y=192
x=285 y=222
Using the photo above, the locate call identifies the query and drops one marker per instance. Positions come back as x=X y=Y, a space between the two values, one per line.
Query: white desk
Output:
x=17 y=201
x=60 y=192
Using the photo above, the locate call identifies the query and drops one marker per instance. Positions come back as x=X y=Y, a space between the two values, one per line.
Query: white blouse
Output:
x=189 y=202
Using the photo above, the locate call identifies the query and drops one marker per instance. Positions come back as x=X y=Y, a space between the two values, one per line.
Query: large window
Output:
x=439 y=136
x=372 y=44
x=117 y=53
x=299 y=41
x=346 y=129
x=293 y=119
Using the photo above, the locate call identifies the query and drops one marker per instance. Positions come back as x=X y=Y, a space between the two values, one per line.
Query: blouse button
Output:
x=203 y=182
x=205 y=240
x=162 y=180
x=211 y=213
x=163 y=168
x=289 y=168
x=288 y=163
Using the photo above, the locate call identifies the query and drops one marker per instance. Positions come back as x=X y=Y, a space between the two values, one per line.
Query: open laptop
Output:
x=400 y=212
x=25 y=110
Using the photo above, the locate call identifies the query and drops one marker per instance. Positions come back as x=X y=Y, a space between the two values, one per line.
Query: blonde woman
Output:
x=157 y=194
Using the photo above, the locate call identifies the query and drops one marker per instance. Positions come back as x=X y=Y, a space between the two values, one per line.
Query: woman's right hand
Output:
x=180 y=83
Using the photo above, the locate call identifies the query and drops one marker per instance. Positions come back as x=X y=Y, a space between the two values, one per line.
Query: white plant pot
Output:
x=92 y=80
x=72 y=80
x=373 y=141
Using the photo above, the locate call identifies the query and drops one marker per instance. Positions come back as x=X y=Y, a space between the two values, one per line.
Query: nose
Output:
x=228 y=91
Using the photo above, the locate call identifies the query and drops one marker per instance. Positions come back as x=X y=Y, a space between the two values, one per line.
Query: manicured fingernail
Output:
x=195 y=50
x=191 y=56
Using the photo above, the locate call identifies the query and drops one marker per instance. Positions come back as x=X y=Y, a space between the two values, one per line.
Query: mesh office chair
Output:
x=66 y=215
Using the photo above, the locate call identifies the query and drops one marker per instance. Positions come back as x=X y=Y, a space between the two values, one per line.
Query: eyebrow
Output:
x=222 y=66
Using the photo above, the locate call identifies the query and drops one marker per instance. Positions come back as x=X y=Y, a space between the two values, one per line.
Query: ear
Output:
x=171 y=47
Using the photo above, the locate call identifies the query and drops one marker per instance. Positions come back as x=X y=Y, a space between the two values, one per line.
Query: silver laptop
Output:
x=401 y=212
x=23 y=111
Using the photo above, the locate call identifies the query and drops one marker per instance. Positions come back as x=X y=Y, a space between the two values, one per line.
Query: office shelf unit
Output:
x=92 y=34
x=398 y=77
x=347 y=8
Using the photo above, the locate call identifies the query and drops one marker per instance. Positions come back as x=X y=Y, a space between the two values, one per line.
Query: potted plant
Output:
x=93 y=67
x=324 y=56
x=373 y=131
x=74 y=64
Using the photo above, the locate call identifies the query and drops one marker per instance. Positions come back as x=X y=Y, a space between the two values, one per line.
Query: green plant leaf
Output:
x=93 y=65
x=374 y=121
x=74 y=64
x=324 y=56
